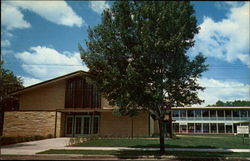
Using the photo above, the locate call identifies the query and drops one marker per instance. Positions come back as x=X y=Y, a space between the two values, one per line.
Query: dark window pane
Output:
x=183 y=113
x=228 y=113
x=86 y=122
x=197 y=113
x=205 y=113
x=198 y=128
x=80 y=94
x=176 y=113
x=220 y=113
x=78 y=125
x=205 y=128
x=176 y=127
x=213 y=128
x=221 y=128
x=191 y=127
x=95 y=125
x=190 y=113
x=69 y=126
x=243 y=113
x=236 y=113
x=212 y=113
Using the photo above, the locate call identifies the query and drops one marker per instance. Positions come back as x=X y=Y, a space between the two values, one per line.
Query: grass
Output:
x=147 y=153
x=186 y=141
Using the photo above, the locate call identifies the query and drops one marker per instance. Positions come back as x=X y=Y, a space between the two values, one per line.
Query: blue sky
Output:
x=39 y=42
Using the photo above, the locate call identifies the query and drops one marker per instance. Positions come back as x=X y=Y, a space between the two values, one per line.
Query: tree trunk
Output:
x=162 y=145
x=170 y=125
x=132 y=127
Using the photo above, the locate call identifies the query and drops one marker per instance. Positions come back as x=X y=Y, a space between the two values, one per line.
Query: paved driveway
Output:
x=33 y=147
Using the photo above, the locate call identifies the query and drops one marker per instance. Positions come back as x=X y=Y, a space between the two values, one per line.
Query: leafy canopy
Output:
x=220 y=103
x=8 y=83
x=137 y=56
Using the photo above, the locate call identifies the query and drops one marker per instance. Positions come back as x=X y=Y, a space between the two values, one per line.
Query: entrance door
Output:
x=82 y=125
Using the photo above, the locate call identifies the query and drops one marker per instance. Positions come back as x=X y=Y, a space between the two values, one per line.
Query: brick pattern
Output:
x=30 y=123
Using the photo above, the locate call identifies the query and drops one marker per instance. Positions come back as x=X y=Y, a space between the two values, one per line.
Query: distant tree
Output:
x=8 y=83
x=231 y=103
x=137 y=57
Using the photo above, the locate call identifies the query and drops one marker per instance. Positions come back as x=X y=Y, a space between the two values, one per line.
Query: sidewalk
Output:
x=155 y=149
x=33 y=147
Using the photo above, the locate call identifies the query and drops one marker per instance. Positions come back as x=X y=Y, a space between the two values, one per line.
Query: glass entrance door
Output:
x=82 y=125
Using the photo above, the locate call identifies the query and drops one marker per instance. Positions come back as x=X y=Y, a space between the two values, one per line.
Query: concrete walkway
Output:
x=33 y=147
x=155 y=149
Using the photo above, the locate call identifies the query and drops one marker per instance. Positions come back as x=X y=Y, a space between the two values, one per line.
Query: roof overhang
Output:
x=84 y=110
x=45 y=83
x=226 y=107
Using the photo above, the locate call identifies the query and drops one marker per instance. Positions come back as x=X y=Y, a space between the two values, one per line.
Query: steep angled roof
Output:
x=77 y=73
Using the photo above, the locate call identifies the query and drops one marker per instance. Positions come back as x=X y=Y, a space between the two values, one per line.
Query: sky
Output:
x=39 y=41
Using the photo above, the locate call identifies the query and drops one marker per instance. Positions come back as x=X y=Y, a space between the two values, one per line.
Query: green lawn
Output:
x=147 y=153
x=186 y=141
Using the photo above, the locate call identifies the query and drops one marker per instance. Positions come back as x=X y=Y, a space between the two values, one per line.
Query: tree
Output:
x=8 y=83
x=137 y=57
x=231 y=103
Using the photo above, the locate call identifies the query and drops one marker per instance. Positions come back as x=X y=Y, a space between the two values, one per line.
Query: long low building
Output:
x=209 y=119
x=70 y=106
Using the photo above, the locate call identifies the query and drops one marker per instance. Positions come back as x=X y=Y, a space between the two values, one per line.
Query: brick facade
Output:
x=19 y=123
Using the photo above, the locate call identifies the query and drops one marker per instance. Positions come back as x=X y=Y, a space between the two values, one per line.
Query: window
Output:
x=228 y=113
x=80 y=94
x=176 y=113
x=197 y=113
x=205 y=128
x=213 y=128
x=243 y=113
x=86 y=125
x=176 y=127
x=95 y=125
x=183 y=113
x=198 y=128
x=220 y=113
x=236 y=113
x=69 y=123
x=205 y=113
x=191 y=127
x=212 y=113
x=221 y=128
x=190 y=113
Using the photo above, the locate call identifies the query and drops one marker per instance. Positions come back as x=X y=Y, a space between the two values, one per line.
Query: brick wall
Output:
x=19 y=123
x=112 y=125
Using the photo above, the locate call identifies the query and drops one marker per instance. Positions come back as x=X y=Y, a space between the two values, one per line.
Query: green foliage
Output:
x=137 y=56
x=231 y=103
x=8 y=83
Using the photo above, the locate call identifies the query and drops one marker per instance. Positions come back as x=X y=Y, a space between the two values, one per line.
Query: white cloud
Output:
x=28 y=81
x=58 y=12
x=222 y=90
x=11 y=17
x=98 y=6
x=5 y=43
x=227 y=39
x=46 y=63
